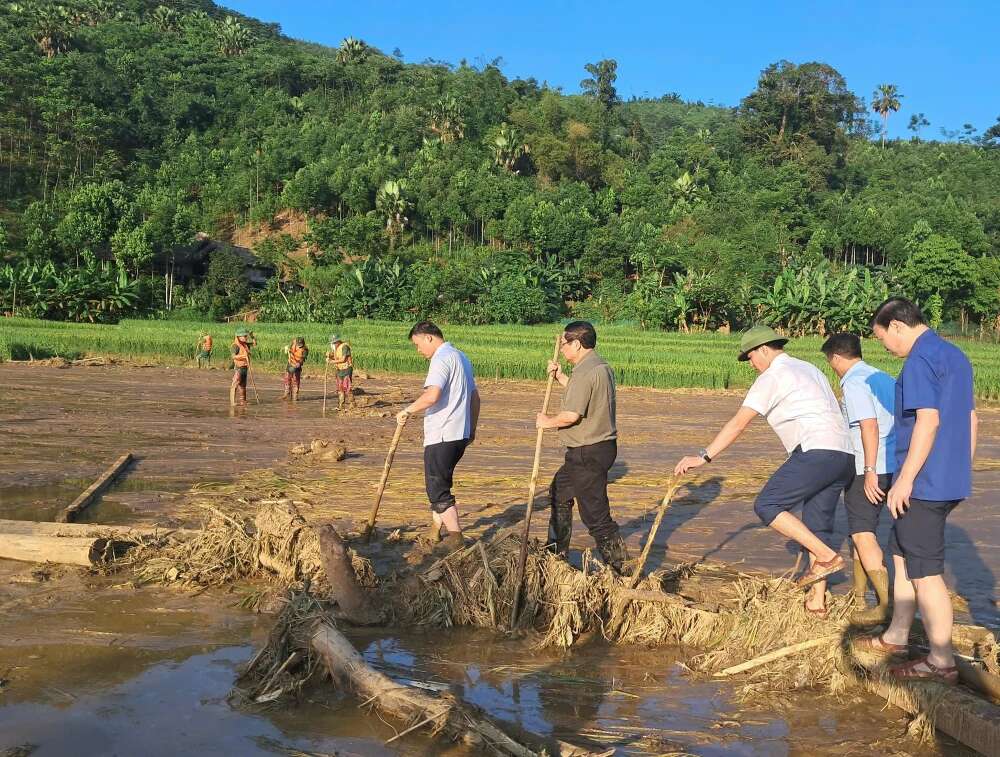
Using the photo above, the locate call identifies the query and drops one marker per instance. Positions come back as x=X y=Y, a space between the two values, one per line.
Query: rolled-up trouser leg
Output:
x=439 y=470
x=813 y=479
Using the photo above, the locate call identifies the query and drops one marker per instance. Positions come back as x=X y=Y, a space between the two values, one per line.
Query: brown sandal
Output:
x=820 y=570
x=877 y=645
x=819 y=613
x=907 y=671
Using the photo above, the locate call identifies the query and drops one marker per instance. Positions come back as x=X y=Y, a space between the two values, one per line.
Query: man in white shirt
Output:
x=451 y=403
x=797 y=401
x=868 y=405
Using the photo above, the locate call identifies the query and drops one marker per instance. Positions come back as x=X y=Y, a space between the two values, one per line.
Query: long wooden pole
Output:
x=522 y=558
x=252 y=382
x=370 y=529
x=671 y=491
x=326 y=370
x=95 y=490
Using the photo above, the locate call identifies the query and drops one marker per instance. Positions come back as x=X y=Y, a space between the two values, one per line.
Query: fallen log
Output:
x=443 y=712
x=965 y=717
x=95 y=489
x=354 y=604
x=44 y=528
x=67 y=550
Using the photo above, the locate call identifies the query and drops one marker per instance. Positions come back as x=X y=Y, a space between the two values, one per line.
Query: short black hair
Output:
x=898 y=309
x=845 y=345
x=425 y=327
x=583 y=332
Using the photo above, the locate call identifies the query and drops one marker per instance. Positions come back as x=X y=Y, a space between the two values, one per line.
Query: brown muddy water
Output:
x=87 y=668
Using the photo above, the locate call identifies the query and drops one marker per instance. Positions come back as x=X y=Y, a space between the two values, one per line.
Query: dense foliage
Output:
x=428 y=189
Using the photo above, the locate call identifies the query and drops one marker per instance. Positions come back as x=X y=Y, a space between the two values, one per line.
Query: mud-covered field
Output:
x=90 y=665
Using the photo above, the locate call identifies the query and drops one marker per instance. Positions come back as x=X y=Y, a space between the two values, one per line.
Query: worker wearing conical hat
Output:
x=240 y=351
x=339 y=355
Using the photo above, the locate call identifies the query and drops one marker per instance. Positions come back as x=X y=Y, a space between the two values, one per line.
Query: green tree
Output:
x=601 y=83
x=166 y=19
x=393 y=206
x=352 y=51
x=918 y=121
x=234 y=39
x=885 y=100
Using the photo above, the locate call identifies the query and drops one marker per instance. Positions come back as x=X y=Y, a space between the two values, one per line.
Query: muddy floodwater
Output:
x=89 y=665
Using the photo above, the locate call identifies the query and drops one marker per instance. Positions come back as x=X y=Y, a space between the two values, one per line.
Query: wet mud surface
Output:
x=122 y=671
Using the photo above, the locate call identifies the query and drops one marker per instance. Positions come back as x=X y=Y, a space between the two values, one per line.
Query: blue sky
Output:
x=944 y=57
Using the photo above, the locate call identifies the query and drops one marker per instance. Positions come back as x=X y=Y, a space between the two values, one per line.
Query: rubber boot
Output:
x=295 y=393
x=243 y=395
x=560 y=528
x=453 y=541
x=432 y=535
x=341 y=398
x=880 y=613
x=860 y=584
x=614 y=553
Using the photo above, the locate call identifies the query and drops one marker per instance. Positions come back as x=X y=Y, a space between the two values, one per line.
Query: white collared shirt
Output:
x=796 y=399
x=450 y=418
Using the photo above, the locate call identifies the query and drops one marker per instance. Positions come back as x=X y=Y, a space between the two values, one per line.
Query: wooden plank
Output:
x=965 y=717
x=95 y=489
x=94 y=530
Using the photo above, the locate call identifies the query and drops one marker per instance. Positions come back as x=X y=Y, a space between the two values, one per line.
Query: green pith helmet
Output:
x=754 y=337
x=242 y=332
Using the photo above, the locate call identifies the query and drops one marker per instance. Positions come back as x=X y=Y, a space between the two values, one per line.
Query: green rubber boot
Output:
x=881 y=613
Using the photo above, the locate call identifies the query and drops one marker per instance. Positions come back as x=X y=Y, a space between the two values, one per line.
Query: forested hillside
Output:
x=431 y=189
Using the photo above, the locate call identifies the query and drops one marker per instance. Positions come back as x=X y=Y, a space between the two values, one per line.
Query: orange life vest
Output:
x=297 y=355
x=341 y=361
x=241 y=358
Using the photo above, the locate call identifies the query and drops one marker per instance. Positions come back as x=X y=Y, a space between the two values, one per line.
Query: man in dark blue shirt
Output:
x=935 y=419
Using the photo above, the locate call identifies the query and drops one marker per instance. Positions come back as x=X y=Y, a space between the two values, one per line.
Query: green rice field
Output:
x=665 y=360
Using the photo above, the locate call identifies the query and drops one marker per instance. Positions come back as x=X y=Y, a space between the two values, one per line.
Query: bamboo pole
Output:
x=370 y=528
x=326 y=371
x=522 y=558
x=252 y=382
x=777 y=654
x=671 y=491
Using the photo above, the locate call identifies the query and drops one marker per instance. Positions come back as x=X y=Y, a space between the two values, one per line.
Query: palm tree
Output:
x=446 y=120
x=352 y=51
x=508 y=148
x=234 y=38
x=885 y=99
x=390 y=202
x=166 y=19
x=52 y=31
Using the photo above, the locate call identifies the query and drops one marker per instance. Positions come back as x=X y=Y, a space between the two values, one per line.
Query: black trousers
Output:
x=584 y=477
x=439 y=470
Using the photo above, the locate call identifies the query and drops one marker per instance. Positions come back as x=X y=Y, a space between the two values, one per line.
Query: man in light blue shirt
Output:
x=869 y=399
x=450 y=402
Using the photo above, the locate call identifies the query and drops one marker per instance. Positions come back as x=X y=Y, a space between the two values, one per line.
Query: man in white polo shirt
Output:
x=451 y=404
x=797 y=401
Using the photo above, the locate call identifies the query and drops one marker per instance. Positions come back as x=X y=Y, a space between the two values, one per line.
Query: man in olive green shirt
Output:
x=587 y=427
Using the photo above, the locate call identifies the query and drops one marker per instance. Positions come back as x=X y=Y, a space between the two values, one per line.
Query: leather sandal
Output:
x=819 y=612
x=908 y=671
x=821 y=570
x=877 y=645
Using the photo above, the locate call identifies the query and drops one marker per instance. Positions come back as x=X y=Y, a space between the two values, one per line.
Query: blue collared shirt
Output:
x=870 y=394
x=937 y=375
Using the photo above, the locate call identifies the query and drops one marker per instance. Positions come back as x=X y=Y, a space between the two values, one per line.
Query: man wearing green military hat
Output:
x=797 y=401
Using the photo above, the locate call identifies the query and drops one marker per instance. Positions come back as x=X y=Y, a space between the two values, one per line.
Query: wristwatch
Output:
x=703 y=454
x=869 y=469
